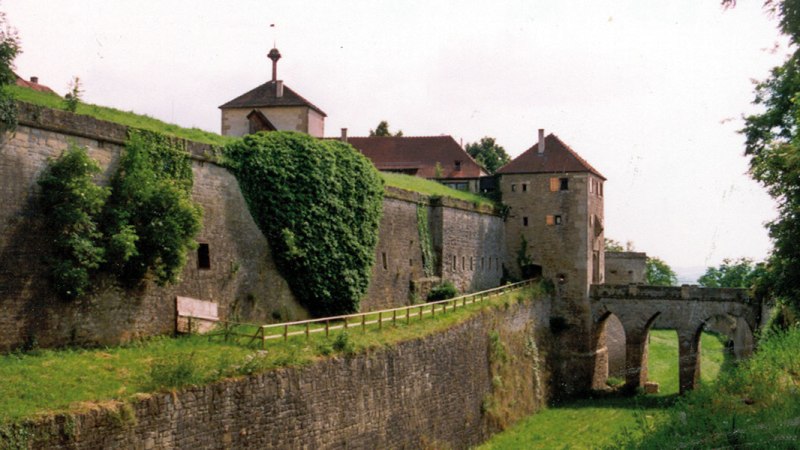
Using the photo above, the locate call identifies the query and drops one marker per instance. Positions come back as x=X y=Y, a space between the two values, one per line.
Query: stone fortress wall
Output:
x=243 y=279
x=424 y=393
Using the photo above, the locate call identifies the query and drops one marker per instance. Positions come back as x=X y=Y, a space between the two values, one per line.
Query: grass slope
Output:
x=595 y=423
x=121 y=117
x=48 y=381
x=432 y=188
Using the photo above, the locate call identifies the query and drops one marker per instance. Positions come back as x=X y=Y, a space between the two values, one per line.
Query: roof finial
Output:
x=274 y=55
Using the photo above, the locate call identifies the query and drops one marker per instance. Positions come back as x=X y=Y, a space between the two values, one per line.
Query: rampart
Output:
x=435 y=392
x=243 y=279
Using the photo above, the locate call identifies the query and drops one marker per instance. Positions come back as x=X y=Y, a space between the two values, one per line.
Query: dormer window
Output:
x=458 y=164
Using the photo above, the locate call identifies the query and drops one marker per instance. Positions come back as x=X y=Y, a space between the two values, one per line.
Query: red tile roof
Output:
x=34 y=86
x=418 y=155
x=265 y=95
x=558 y=157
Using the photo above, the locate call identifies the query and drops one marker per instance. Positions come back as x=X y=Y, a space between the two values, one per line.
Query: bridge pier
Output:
x=688 y=359
x=635 y=360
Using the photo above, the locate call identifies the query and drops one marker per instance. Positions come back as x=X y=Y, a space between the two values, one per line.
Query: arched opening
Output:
x=735 y=332
x=609 y=344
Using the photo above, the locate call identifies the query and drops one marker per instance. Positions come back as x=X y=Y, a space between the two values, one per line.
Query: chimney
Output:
x=279 y=88
x=541 y=141
x=344 y=135
x=35 y=80
x=274 y=55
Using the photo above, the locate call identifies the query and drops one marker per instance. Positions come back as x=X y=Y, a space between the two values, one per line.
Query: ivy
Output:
x=425 y=242
x=319 y=204
x=142 y=225
x=151 y=219
x=71 y=205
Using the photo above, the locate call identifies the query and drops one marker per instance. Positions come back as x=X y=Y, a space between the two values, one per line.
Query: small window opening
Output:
x=411 y=262
x=458 y=165
x=483 y=261
x=557 y=220
x=203 y=257
x=385 y=261
x=513 y=187
x=524 y=187
x=463 y=263
x=563 y=184
x=471 y=263
x=524 y=221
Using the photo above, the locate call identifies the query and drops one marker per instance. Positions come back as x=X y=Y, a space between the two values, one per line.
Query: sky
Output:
x=650 y=93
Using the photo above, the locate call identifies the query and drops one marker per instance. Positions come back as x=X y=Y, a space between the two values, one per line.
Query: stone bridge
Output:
x=687 y=309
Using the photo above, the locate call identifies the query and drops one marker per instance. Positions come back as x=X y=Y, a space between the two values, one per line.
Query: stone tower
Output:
x=271 y=106
x=555 y=229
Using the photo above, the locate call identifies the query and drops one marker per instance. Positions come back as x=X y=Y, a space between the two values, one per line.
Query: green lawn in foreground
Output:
x=432 y=188
x=47 y=381
x=128 y=118
x=594 y=423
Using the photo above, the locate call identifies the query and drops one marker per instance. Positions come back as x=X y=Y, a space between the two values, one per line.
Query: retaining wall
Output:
x=435 y=392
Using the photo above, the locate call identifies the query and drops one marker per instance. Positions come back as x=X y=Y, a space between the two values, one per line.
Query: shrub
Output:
x=71 y=205
x=442 y=291
x=319 y=204
x=343 y=344
x=151 y=220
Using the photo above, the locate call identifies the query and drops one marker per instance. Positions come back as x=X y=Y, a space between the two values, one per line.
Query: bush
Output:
x=442 y=291
x=71 y=205
x=343 y=344
x=319 y=204
x=151 y=220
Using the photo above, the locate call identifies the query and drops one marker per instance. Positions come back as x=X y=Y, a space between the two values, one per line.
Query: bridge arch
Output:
x=686 y=309
x=609 y=342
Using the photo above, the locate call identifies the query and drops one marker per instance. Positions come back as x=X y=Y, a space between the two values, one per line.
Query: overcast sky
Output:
x=650 y=93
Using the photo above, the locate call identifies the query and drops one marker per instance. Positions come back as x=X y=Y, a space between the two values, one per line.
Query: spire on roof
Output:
x=274 y=55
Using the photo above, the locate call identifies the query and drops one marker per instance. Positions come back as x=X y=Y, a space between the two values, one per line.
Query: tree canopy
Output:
x=739 y=273
x=659 y=273
x=488 y=154
x=383 y=130
x=773 y=145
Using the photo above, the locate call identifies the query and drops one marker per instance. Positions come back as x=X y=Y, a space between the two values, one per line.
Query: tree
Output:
x=659 y=273
x=488 y=154
x=773 y=145
x=740 y=273
x=9 y=49
x=383 y=130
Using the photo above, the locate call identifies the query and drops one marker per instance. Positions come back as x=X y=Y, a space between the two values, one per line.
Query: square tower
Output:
x=554 y=229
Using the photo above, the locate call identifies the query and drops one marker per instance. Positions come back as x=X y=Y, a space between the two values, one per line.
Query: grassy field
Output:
x=432 y=188
x=46 y=381
x=596 y=422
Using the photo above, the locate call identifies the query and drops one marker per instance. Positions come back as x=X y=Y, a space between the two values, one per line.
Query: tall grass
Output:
x=755 y=405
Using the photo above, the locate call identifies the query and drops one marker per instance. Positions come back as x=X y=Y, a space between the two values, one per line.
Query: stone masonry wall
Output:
x=426 y=393
x=474 y=235
x=243 y=280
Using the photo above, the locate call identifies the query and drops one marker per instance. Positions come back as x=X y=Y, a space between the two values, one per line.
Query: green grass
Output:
x=128 y=118
x=48 y=381
x=431 y=188
x=596 y=422
x=756 y=404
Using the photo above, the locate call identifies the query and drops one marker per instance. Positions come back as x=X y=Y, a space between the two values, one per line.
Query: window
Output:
x=471 y=263
x=554 y=184
x=463 y=263
x=553 y=220
x=563 y=184
x=385 y=261
x=513 y=187
x=203 y=257
x=524 y=187
x=483 y=260
x=524 y=221
x=458 y=165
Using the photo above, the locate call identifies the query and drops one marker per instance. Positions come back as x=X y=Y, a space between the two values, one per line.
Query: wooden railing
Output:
x=263 y=333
